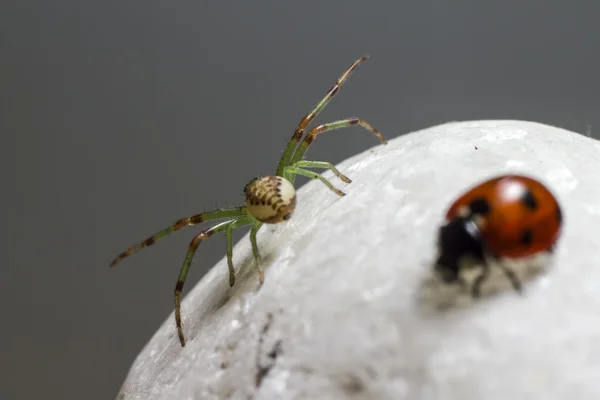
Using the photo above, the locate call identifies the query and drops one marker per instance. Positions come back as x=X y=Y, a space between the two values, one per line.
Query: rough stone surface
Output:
x=341 y=314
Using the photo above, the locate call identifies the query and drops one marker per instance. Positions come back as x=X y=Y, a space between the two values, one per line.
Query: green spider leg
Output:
x=226 y=226
x=297 y=160
x=229 y=233
x=255 y=252
x=330 y=126
x=293 y=170
x=289 y=151
x=297 y=148
x=324 y=165
x=220 y=213
x=255 y=228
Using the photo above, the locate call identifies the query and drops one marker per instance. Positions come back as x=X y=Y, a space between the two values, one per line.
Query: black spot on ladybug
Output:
x=529 y=201
x=480 y=206
x=527 y=238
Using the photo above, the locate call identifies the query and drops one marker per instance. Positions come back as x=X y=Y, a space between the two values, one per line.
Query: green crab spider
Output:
x=268 y=199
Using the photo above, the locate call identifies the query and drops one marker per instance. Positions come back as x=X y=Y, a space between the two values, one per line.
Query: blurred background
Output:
x=118 y=117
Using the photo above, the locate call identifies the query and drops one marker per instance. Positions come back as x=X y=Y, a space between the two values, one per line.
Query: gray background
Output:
x=118 y=117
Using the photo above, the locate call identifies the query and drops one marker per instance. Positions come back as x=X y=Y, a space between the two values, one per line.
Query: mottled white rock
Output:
x=344 y=284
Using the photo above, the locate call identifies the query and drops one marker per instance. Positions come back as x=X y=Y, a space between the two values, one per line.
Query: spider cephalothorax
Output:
x=269 y=199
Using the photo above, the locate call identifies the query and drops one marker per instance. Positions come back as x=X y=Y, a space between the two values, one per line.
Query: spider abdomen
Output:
x=270 y=199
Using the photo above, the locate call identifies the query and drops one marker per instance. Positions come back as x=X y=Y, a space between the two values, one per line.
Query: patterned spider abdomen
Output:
x=270 y=199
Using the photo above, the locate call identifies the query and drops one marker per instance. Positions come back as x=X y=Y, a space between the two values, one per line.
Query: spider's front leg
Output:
x=290 y=150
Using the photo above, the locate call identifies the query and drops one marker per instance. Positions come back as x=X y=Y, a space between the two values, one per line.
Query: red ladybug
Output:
x=510 y=216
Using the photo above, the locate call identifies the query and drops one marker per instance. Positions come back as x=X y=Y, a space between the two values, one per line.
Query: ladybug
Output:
x=509 y=216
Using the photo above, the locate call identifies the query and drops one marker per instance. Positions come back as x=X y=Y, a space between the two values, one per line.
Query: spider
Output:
x=268 y=199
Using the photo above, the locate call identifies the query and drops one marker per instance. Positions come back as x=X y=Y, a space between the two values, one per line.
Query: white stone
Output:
x=344 y=284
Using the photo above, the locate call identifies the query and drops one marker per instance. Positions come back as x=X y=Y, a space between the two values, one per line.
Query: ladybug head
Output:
x=458 y=238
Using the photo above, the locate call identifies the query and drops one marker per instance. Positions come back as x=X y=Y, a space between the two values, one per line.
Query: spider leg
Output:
x=230 y=228
x=324 y=165
x=255 y=228
x=330 y=126
x=229 y=234
x=205 y=234
x=308 y=118
x=182 y=223
x=291 y=171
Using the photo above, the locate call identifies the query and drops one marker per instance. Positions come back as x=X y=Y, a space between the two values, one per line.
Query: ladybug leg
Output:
x=476 y=288
x=461 y=282
x=512 y=278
